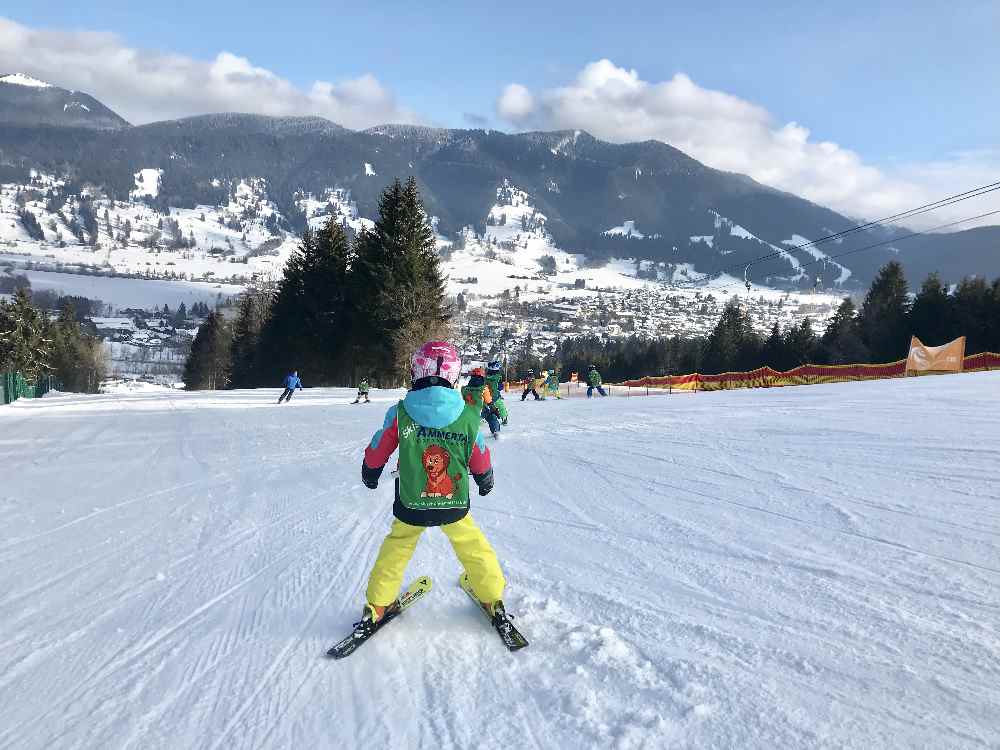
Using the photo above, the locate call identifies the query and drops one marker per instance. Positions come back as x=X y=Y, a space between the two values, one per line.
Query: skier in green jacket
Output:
x=362 y=391
x=494 y=378
x=594 y=381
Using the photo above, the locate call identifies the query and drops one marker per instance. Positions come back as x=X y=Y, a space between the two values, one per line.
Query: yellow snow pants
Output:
x=471 y=548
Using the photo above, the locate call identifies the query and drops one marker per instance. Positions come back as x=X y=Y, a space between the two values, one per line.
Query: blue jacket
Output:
x=292 y=382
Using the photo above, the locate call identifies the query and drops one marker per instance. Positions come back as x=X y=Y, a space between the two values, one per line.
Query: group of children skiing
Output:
x=435 y=429
x=548 y=383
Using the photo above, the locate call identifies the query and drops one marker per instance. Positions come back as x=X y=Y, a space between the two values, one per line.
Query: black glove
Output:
x=485 y=481
x=370 y=476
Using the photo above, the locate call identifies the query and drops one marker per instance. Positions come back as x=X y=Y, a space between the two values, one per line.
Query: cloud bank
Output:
x=144 y=86
x=730 y=133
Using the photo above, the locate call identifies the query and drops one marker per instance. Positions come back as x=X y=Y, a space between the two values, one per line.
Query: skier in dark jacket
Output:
x=291 y=383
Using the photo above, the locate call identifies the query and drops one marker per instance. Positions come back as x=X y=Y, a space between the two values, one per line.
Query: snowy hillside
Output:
x=785 y=568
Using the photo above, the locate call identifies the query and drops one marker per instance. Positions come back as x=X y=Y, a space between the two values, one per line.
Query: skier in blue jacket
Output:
x=291 y=383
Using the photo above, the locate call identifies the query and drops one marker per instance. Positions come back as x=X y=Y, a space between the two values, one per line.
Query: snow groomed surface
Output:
x=806 y=567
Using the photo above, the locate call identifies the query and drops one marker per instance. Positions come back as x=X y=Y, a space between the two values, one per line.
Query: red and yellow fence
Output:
x=766 y=377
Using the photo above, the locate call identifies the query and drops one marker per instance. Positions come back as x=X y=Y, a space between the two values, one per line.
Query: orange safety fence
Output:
x=766 y=377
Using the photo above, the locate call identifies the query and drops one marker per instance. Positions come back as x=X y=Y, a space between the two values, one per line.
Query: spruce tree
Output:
x=25 y=342
x=207 y=366
x=884 y=321
x=255 y=307
x=800 y=344
x=733 y=344
x=932 y=317
x=397 y=290
x=975 y=314
x=841 y=343
x=773 y=352
x=79 y=363
x=310 y=321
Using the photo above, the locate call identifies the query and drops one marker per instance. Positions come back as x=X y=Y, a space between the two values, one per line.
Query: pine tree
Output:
x=31 y=225
x=800 y=344
x=975 y=314
x=733 y=344
x=310 y=321
x=255 y=307
x=932 y=317
x=25 y=343
x=773 y=353
x=207 y=366
x=397 y=290
x=79 y=362
x=181 y=316
x=883 y=322
x=841 y=343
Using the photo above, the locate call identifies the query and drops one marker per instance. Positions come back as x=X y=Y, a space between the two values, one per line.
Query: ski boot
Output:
x=374 y=616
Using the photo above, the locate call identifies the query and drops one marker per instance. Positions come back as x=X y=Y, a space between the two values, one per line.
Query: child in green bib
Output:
x=437 y=434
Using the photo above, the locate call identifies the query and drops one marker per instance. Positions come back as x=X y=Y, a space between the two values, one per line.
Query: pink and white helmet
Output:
x=436 y=358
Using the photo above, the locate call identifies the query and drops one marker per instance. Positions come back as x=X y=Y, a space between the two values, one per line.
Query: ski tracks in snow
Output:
x=793 y=568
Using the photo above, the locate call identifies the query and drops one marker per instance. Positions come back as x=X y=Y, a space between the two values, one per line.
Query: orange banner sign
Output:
x=945 y=358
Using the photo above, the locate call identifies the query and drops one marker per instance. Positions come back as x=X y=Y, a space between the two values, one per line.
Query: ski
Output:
x=414 y=592
x=500 y=621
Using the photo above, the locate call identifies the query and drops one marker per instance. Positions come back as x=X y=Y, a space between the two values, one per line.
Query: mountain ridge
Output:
x=583 y=185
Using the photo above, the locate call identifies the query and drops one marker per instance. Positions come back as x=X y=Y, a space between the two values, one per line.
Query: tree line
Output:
x=35 y=345
x=877 y=332
x=343 y=308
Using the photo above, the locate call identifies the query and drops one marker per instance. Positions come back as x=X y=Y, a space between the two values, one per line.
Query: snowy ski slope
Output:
x=803 y=567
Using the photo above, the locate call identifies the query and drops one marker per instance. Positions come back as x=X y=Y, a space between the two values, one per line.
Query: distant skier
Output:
x=538 y=384
x=477 y=393
x=439 y=443
x=362 y=391
x=594 y=381
x=529 y=387
x=552 y=384
x=291 y=383
x=494 y=378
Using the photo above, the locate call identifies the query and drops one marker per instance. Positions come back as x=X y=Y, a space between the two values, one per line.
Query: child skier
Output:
x=538 y=384
x=529 y=387
x=594 y=381
x=362 y=391
x=291 y=383
x=477 y=393
x=439 y=443
x=494 y=379
x=552 y=384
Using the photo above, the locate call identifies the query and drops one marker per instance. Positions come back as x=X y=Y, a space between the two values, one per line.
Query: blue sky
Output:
x=907 y=87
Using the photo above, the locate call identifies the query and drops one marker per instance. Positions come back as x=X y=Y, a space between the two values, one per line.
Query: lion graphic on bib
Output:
x=435 y=460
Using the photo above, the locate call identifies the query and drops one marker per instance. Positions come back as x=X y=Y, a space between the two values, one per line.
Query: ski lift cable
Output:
x=926 y=208
x=810 y=244
x=877 y=244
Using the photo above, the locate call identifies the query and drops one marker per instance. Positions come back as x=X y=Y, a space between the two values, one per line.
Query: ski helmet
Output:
x=494 y=366
x=478 y=371
x=436 y=359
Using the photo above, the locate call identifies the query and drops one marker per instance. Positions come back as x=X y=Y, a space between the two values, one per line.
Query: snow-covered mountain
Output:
x=645 y=202
x=28 y=101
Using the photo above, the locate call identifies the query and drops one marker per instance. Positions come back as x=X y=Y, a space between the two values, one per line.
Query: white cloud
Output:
x=730 y=133
x=143 y=85
x=515 y=103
